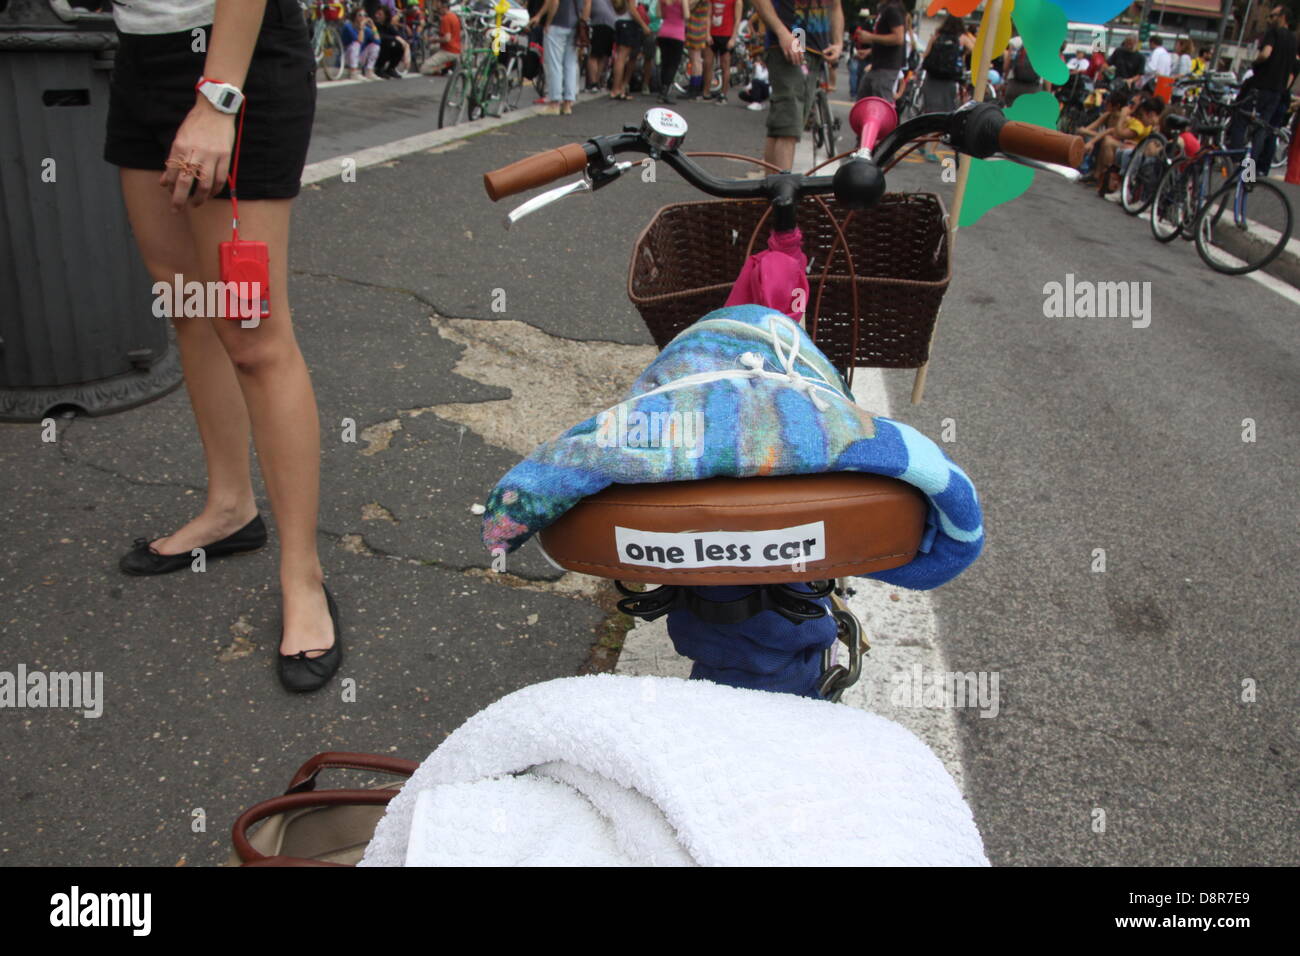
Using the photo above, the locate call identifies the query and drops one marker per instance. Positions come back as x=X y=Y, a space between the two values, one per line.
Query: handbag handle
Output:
x=305 y=779
x=296 y=801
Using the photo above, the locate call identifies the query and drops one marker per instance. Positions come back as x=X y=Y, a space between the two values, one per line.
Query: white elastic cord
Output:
x=753 y=369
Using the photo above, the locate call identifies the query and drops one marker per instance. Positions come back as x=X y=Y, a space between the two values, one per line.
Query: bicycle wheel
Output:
x=455 y=99
x=331 y=52
x=911 y=104
x=493 y=94
x=1174 y=202
x=514 y=82
x=1243 y=227
x=1145 y=168
x=1281 y=148
x=824 y=132
x=682 y=81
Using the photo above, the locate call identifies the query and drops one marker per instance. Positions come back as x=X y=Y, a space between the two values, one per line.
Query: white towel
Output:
x=610 y=770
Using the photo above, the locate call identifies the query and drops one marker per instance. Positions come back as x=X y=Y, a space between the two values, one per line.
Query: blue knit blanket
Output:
x=743 y=392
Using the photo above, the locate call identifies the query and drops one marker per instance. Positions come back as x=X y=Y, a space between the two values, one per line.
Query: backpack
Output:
x=944 y=59
x=1022 y=70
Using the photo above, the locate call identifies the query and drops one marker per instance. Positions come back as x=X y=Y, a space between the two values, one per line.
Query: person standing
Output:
x=602 y=42
x=1127 y=61
x=724 y=22
x=1160 y=62
x=672 y=40
x=858 y=51
x=560 y=48
x=793 y=67
x=649 y=73
x=697 y=38
x=1021 y=77
x=630 y=26
x=944 y=56
x=1273 y=73
x=885 y=43
x=172 y=118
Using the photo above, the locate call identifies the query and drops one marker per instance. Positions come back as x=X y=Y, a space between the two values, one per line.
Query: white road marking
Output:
x=374 y=155
x=900 y=625
x=1284 y=289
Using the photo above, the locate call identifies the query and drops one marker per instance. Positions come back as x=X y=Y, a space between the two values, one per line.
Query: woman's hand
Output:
x=200 y=155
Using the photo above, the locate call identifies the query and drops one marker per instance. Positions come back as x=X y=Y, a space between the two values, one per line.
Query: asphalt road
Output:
x=456 y=345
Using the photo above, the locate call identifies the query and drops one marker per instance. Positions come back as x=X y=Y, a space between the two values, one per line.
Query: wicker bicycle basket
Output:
x=686 y=260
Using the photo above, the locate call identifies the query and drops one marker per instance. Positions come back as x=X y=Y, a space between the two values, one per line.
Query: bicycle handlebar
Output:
x=536 y=170
x=978 y=129
x=1040 y=143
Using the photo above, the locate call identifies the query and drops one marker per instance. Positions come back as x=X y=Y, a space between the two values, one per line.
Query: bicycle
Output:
x=821 y=120
x=585 y=536
x=479 y=84
x=911 y=103
x=323 y=19
x=1189 y=203
x=1152 y=155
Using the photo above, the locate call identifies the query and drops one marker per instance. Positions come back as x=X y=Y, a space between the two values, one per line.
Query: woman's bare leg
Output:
x=282 y=408
x=167 y=247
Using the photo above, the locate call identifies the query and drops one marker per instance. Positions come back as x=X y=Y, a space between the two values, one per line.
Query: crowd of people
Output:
x=639 y=46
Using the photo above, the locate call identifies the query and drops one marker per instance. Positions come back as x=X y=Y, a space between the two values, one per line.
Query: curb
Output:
x=333 y=167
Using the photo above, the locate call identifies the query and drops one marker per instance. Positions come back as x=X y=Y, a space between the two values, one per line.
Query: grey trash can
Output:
x=77 y=325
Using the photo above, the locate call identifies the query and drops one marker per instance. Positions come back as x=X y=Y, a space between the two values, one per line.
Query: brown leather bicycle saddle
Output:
x=741 y=530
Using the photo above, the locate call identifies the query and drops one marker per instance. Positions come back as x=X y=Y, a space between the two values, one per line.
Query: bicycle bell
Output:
x=663 y=129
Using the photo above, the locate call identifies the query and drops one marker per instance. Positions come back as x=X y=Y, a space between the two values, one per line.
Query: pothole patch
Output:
x=379 y=435
x=554 y=383
x=374 y=511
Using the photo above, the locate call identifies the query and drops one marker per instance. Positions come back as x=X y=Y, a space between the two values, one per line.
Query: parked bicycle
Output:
x=802 y=592
x=822 y=121
x=484 y=82
x=323 y=20
x=1238 y=220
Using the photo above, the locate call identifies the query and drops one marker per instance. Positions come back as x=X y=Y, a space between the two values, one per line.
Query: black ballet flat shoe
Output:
x=142 y=560
x=302 y=674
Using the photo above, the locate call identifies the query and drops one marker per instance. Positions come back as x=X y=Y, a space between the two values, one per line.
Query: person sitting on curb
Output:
x=1116 y=110
x=448 y=55
x=360 y=45
x=1117 y=146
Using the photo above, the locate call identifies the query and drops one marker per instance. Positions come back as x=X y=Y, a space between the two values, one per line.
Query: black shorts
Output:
x=152 y=91
x=720 y=44
x=602 y=40
x=628 y=34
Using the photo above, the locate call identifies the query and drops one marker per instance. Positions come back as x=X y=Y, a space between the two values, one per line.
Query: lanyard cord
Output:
x=234 y=168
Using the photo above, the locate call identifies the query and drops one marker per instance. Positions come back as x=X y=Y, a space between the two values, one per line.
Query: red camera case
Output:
x=245 y=263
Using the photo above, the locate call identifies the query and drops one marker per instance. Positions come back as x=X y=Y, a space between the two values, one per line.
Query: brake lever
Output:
x=585 y=184
x=1065 y=172
x=546 y=198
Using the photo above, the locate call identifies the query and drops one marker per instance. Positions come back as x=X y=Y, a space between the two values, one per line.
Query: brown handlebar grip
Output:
x=533 y=171
x=1041 y=143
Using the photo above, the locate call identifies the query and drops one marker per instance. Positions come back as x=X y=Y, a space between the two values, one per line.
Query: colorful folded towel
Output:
x=743 y=392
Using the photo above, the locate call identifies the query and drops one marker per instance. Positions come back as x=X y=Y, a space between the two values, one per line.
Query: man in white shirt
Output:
x=1160 y=62
x=1079 y=63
